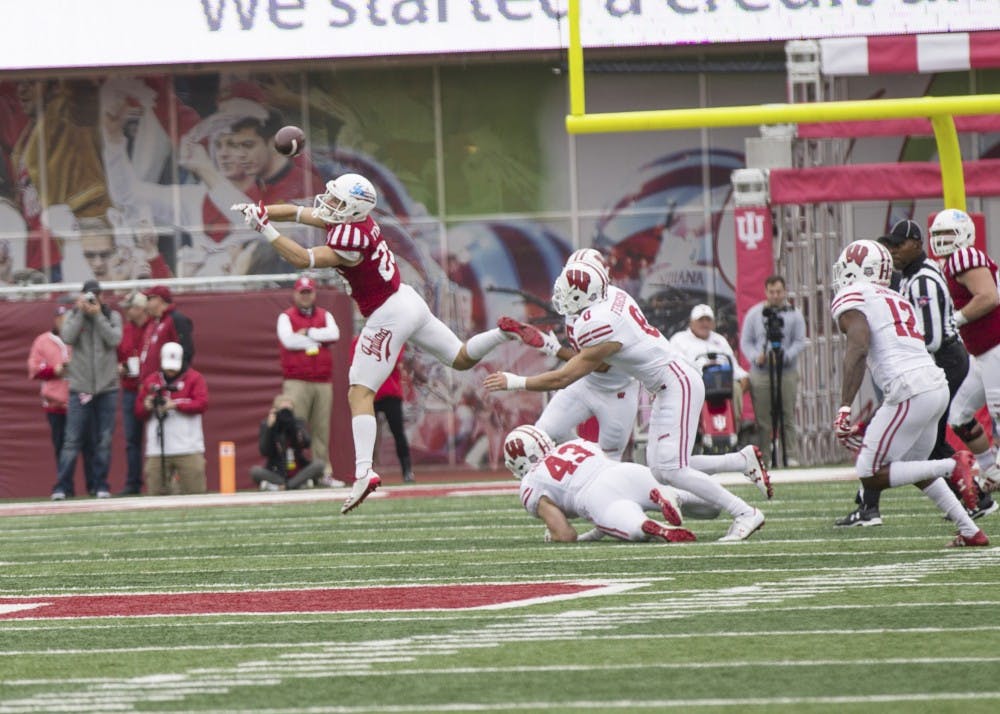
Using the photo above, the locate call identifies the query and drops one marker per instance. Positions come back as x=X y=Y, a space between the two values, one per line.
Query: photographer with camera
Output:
x=171 y=402
x=774 y=333
x=284 y=439
x=93 y=331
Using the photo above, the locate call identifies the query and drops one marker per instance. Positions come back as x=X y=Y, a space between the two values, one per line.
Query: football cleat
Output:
x=744 y=526
x=963 y=479
x=986 y=506
x=659 y=531
x=668 y=506
x=962 y=541
x=862 y=517
x=756 y=472
x=531 y=336
x=360 y=490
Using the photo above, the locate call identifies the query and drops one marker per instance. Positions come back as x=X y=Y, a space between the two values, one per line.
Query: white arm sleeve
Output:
x=291 y=339
x=328 y=333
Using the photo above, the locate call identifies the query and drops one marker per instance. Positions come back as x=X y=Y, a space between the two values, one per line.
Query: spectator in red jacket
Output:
x=129 y=357
x=305 y=333
x=389 y=401
x=166 y=324
x=171 y=401
x=47 y=363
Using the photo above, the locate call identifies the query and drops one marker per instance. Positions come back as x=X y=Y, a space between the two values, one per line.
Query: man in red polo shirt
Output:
x=306 y=333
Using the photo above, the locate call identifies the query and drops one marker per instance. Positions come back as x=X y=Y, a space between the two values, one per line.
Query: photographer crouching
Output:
x=171 y=403
x=774 y=333
x=283 y=441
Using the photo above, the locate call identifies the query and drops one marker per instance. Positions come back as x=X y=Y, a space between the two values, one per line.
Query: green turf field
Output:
x=802 y=618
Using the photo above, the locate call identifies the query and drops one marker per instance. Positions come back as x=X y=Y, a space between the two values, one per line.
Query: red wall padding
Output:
x=236 y=348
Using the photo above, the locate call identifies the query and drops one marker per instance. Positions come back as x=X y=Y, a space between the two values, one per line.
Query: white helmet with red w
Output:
x=952 y=230
x=590 y=256
x=524 y=447
x=579 y=286
x=348 y=199
x=863 y=261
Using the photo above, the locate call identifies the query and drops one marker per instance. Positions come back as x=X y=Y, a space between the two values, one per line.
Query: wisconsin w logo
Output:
x=579 y=279
x=515 y=448
x=856 y=253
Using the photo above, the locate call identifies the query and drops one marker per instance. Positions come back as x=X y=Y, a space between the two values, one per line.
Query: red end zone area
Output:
x=423 y=597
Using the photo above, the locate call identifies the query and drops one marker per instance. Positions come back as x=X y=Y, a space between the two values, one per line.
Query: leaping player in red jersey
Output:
x=395 y=313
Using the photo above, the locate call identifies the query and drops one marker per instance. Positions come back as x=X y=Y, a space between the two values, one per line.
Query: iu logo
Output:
x=750 y=229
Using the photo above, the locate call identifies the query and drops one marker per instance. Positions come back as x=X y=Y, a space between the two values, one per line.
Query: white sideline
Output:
x=255 y=497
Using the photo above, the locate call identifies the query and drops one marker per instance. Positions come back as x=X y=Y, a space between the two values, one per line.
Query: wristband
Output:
x=298 y=214
x=269 y=232
x=312 y=257
x=960 y=318
x=515 y=381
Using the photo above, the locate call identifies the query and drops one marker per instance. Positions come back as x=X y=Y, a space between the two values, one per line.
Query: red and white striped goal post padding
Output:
x=899 y=54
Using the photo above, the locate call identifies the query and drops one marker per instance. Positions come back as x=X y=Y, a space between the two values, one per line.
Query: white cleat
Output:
x=755 y=471
x=744 y=526
x=360 y=490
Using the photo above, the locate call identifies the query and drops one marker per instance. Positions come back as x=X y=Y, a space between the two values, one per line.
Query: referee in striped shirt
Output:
x=924 y=286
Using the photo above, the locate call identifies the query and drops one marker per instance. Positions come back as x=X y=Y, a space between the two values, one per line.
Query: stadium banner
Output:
x=754 y=255
x=164 y=32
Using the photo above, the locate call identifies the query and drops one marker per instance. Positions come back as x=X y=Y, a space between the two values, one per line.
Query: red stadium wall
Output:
x=236 y=348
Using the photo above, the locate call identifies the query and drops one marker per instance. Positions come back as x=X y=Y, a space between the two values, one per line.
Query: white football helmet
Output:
x=863 y=261
x=579 y=286
x=348 y=199
x=524 y=447
x=591 y=257
x=952 y=230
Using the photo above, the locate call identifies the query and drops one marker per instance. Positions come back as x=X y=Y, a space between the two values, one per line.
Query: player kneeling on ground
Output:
x=576 y=480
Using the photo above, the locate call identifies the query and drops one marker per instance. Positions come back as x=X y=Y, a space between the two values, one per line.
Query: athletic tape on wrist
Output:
x=960 y=318
x=298 y=214
x=312 y=257
x=515 y=381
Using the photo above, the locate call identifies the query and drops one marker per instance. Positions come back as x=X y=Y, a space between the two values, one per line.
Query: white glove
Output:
x=989 y=480
x=255 y=216
x=551 y=346
x=845 y=432
x=592 y=534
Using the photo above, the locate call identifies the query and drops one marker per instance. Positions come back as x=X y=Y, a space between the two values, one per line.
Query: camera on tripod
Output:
x=774 y=325
x=162 y=394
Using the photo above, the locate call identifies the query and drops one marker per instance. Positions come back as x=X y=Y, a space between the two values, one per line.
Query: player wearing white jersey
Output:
x=613 y=331
x=395 y=313
x=575 y=480
x=611 y=396
x=882 y=334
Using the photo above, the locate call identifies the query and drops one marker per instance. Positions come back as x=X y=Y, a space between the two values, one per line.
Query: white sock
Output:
x=718 y=464
x=705 y=488
x=478 y=346
x=986 y=459
x=902 y=473
x=944 y=499
x=364 y=427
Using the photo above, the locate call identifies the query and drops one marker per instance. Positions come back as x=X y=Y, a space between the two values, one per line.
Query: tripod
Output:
x=160 y=417
x=776 y=360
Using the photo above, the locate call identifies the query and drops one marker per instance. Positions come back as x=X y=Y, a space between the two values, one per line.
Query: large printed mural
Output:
x=127 y=178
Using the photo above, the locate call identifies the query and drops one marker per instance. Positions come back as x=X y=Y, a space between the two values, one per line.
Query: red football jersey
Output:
x=983 y=334
x=375 y=278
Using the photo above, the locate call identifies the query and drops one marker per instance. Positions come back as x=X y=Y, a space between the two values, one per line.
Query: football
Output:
x=290 y=140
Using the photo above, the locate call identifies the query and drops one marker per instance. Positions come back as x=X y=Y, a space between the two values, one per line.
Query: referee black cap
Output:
x=901 y=231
